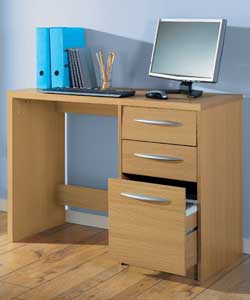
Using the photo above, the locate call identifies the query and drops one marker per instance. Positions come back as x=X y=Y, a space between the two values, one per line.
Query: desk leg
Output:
x=35 y=167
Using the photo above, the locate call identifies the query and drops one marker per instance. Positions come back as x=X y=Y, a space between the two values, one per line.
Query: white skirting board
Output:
x=86 y=219
x=246 y=246
x=3 y=205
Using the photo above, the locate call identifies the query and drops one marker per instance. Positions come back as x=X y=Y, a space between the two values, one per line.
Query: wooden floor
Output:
x=72 y=262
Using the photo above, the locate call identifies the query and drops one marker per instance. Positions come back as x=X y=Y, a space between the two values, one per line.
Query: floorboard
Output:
x=72 y=262
x=10 y=291
x=233 y=286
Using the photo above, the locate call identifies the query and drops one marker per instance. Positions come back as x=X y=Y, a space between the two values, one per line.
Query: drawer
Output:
x=159 y=125
x=148 y=226
x=159 y=160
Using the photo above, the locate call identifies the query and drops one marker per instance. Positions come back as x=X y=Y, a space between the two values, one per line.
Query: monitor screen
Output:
x=187 y=49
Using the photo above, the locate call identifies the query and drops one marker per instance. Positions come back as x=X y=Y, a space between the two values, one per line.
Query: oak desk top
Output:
x=175 y=101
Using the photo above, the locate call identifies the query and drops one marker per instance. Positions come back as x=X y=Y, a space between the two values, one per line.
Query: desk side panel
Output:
x=220 y=187
x=36 y=166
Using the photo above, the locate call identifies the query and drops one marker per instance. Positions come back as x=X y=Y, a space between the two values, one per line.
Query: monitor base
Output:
x=186 y=88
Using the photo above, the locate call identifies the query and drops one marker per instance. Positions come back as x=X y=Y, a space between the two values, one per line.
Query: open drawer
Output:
x=148 y=226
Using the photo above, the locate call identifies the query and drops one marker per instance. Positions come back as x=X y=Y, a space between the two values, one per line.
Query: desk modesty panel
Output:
x=165 y=147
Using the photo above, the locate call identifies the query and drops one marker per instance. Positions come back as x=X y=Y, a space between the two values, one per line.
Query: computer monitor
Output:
x=188 y=50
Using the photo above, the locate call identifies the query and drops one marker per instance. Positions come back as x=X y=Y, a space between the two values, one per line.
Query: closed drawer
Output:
x=159 y=160
x=148 y=226
x=159 y=125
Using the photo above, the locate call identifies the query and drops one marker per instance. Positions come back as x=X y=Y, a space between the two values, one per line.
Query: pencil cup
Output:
x=106 y=84
x=105 y=71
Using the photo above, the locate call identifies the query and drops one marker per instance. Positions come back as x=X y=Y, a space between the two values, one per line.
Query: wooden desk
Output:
x=205 y=135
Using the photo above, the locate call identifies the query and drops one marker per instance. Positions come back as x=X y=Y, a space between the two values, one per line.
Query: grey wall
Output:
x=127 y=27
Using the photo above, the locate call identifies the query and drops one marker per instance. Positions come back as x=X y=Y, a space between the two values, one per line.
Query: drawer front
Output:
x=159 y=125
x=147 y=226
x=159 y=160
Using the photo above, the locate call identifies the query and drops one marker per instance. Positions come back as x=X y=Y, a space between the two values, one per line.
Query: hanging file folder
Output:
x=43 y=73
x=60 y=40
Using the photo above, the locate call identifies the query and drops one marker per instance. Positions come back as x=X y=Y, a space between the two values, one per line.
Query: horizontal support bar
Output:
x=83 y=197
x=89 y=109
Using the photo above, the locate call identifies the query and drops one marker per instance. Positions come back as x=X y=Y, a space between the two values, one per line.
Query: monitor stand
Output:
x=186 y=88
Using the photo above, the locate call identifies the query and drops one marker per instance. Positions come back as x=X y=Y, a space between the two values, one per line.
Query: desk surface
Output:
x=175 y=101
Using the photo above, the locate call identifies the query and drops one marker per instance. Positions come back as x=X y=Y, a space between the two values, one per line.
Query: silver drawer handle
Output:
x=159 y=122
x=144 y=198
x=159 y=157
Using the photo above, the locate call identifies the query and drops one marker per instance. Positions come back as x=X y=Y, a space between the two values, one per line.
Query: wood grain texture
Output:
x=60 y=261
x=36 y=166
x=78 y=196
x=191 y=221
x=20 y=257
x=7 y=246
x=191 y=255
x=101 y=277
x=78 y=280
x=175 y=101
x=212 y=280
x=120 y=113
x=44 y=247
x=89 y=109
x=125 y=285
x=3 y=225
x=36 y=158
x=186 y=169
x=234 y=285
x=173 y=288
x=183 y=134
x=135 y=235
x=10 y=291
x=220 y=187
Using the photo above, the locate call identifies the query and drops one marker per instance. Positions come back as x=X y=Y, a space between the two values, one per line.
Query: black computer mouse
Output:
x=157 y=94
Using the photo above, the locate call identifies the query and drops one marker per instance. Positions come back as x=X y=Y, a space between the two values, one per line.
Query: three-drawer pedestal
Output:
x=171 y=209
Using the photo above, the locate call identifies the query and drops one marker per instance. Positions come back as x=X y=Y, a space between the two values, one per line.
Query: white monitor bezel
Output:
x=217 y=58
